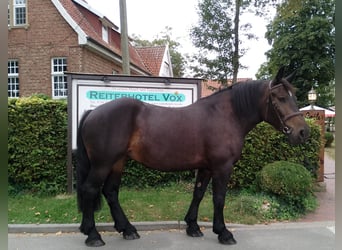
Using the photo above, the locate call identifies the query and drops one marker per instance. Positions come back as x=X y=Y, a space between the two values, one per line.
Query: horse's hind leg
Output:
x=111 y=193
x=91 y=199
x=202 y=180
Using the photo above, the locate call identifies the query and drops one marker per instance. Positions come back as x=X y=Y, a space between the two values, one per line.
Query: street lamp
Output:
x=312 y=97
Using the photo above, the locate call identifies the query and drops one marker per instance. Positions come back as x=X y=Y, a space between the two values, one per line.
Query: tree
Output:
x=302 y=35
x=218 y=34
x=178 y=61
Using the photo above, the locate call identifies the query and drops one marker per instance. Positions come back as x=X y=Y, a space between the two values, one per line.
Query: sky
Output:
x=148 y=18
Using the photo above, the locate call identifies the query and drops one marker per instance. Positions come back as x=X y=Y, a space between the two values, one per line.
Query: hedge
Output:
x=37 y=145
x=37 y=151
x=264 y=145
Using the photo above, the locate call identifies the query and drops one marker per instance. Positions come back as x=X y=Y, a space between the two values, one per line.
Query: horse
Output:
x=207 y=136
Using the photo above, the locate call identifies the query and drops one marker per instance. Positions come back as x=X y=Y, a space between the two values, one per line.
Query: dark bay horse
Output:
x=207 y=135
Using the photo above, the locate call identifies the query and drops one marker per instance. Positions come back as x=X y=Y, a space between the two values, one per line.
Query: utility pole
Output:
x=124 y=38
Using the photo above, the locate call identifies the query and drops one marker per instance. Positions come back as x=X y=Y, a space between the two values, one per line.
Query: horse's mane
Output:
x=244 y=96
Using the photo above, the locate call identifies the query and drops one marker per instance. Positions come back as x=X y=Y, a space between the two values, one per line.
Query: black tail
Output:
x=83 y=163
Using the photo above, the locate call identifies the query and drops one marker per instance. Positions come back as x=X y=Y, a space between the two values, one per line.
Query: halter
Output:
x=285 y=129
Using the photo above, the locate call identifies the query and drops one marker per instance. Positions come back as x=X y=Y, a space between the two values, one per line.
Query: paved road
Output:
x=279 y=236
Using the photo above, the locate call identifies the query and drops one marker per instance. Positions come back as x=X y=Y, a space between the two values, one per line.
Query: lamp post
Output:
x=312 y=97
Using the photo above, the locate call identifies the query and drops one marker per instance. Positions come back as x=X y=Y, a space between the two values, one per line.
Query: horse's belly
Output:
x=167 y=157
x=160 y=145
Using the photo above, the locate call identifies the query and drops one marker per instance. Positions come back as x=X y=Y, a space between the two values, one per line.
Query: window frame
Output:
x=105 y=33
x=13 y=10
x=13 y=87
x=57 y=72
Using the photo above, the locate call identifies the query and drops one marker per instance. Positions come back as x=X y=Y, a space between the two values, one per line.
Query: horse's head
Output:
x=282 y=111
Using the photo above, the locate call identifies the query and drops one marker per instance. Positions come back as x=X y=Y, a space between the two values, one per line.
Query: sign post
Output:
x=319 y=116
x=87 y=91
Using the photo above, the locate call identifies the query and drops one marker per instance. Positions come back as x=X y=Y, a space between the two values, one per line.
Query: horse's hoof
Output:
x=94 y=242
x=131 y=236
x=194 y=233
x=227 y=241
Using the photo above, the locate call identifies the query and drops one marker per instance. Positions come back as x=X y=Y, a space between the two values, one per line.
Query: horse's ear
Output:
x=279 y=75
x=290 y=77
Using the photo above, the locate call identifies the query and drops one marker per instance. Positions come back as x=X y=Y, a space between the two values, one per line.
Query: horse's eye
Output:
x=282 y=99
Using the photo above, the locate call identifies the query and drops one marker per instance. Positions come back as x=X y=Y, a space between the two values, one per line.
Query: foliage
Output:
x=218 y=37
x=290 y=182
x=177 y=60
x=213 y=36
x=329 y=138
x=303 y=37
x=37 y=145
x=265 y=145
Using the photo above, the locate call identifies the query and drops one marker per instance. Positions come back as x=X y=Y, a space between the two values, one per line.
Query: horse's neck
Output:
x=248 y=110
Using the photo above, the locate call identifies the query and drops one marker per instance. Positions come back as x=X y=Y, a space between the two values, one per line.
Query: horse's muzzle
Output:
x=297 y=136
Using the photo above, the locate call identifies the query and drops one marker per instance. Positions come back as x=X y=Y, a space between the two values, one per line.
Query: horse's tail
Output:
x=83 y=165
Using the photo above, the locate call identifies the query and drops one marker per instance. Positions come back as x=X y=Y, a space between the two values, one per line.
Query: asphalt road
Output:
x=278 y=236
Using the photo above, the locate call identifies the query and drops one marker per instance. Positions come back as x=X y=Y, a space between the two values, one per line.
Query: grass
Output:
x=151 y=204
x=147 y=205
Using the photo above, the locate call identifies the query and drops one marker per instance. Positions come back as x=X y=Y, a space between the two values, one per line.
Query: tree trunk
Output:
x=235 y=58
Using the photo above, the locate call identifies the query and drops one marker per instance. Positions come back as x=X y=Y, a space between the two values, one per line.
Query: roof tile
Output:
x=91 y=24
x=152 y=57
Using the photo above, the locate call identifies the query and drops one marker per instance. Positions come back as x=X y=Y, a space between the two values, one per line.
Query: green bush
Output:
x=37 y=151
x=265 y=145
x=291 y=182
x=329 y=138
x=37 y=145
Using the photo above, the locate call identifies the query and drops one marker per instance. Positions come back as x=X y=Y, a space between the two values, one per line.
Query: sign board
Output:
x=88 y=91
x=319 y=116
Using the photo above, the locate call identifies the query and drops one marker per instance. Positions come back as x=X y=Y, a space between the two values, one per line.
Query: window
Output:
x=8 y=14
x=13 y=78
x=105 y=33
x=59 y=80
x=17 y=14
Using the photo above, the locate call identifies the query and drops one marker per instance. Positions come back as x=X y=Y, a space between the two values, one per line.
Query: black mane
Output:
x=244 y=96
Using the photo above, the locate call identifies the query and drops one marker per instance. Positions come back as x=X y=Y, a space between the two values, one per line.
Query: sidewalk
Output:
x=279 y=236
x=326 y=199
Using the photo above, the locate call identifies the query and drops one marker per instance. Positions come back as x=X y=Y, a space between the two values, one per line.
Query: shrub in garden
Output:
x=329 y=138
x=265 y=145
x=291 y=182
x=37 y=145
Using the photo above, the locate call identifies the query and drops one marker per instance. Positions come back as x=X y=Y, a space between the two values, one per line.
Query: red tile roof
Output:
x=90 y=22
x=152 y=57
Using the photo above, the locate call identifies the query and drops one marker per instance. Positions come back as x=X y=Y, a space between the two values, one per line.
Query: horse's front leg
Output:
x=202 y=180
x=220 y=182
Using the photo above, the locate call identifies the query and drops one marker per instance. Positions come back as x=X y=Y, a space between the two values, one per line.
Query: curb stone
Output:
x=152 y=226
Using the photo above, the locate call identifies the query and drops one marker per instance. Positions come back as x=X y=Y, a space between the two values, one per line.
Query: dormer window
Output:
x=105 y=33
x=107 y=25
